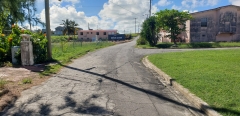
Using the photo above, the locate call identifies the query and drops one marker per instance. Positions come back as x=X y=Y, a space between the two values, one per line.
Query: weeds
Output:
x=26 y=81
x=2 y=83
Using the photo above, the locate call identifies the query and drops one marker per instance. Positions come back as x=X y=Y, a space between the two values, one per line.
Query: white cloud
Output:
x=123 y=13
x=235 y=2
x=164 y=2
x=212 y=2
x=176 y=7
x=116 y=14
x=57 y=14
x=190 y=11
x=192 y=5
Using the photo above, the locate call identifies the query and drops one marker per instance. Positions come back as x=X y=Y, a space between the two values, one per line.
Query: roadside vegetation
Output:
x=212 y=75
x=172 y=21
x=63 y=53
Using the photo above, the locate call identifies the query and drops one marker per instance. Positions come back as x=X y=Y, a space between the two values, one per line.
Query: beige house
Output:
x=219 y=24
x=89 y=35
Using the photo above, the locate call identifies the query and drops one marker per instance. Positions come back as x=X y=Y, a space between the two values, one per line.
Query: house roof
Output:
x=97 y=30
x=216 y=9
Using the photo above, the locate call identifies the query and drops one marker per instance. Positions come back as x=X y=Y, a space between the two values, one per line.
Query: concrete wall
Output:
x=185 y=36
x=87 y=35
x=163 y=38
x=223 y=24
x=203 y=34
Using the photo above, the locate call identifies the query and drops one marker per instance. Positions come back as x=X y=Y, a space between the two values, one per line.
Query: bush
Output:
x=38 y=40
x=142 y=41
x=201 y=45
x=39 y=47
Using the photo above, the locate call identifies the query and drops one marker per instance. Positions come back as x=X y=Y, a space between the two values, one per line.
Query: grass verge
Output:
x=212 y=75
x=193 y=45
x=64 y=53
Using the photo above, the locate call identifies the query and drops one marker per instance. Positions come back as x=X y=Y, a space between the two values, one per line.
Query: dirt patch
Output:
x=14 y=85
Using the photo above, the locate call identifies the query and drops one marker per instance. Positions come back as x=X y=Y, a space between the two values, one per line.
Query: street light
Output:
x=48 y=30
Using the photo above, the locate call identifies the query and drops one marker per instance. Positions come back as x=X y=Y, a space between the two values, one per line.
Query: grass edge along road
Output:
x=193 y=45
x=212 y=75
x=63 y=53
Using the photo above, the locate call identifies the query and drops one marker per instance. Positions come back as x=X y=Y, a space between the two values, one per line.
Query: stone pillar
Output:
x=26 y=50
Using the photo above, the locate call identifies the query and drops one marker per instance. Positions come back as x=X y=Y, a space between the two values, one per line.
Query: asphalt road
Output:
x=110 y=81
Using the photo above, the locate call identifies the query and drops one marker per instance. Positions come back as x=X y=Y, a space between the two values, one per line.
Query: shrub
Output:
x=39 y=47
x=38 y=40
x=142 y=41
x=201 y=45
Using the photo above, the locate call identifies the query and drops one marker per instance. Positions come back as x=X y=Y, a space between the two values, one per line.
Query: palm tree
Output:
x=69 y=26
x=66 y=24
x=73 y=24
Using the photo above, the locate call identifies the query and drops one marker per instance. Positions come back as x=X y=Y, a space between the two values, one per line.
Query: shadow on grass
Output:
x=164 y=45
x=224 y=111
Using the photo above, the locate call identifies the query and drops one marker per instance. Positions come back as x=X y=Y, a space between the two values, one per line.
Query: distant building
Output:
x=44 y=31
x=59 y=30
x=219 y=24
x=89 y=35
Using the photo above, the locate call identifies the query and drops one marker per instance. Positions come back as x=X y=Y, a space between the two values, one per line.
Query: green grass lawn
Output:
x=213 y=75
x=193 y=45
x=64 y=53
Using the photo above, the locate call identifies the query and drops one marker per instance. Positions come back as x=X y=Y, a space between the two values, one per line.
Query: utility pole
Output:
x=48 y=30
x=150 y=8
x=138 y=28
x=135 y=25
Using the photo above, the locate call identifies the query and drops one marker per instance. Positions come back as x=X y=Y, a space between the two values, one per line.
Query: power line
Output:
x=126 y=9
x=135 y=25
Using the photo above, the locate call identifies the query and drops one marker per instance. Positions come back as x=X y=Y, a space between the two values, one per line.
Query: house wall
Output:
x=163 y=38
x=88 y=35
x=203 y=34
x=223 y=24
x=185 y=36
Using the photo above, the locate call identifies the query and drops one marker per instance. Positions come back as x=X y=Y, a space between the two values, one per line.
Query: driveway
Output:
x=110 y=81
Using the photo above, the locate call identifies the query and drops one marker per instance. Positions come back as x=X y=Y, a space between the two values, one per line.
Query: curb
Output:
x=186 y=93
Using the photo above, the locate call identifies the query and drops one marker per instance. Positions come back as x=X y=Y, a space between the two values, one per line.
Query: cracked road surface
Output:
x=110 y=81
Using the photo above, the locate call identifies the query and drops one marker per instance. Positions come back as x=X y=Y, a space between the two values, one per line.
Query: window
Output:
x=97 y=33
x=204 y=22
x=87 y=32
x=81 y=33
x=91 y=32
x=104 y=33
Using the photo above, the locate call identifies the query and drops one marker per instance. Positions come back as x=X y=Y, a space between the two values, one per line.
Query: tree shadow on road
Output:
x=34 y=107
x=150 y=92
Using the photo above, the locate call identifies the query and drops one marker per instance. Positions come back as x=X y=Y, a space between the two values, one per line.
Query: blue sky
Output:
x=118 y=14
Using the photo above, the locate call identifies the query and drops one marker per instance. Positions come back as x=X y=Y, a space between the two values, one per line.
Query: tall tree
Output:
x=29 y=5
x=69 y=26
x=149 y=30
x=66 y=24
x=173 y=22
x=13 y=11
x=73 y=24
